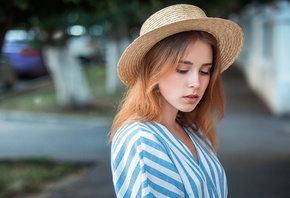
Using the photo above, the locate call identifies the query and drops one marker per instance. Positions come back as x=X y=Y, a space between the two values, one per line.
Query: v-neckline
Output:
x=187 y=149
x=194 y=144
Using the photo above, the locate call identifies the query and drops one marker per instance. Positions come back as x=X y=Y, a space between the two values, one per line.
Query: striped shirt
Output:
x=147 y=160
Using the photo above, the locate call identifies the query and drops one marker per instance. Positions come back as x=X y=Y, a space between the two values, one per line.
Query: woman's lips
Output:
x=192 y=98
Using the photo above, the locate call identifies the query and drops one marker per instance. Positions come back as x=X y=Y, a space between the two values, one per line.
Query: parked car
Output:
x=26 y=60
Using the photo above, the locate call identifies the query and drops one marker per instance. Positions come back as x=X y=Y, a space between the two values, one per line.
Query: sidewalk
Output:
x=254 y=146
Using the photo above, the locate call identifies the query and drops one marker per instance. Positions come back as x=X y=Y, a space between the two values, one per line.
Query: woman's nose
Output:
x=194 y=81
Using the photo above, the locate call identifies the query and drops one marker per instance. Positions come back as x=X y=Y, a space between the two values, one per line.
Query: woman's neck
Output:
x=169 y=120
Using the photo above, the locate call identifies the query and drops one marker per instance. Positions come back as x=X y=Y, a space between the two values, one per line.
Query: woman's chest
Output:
x=207 y=176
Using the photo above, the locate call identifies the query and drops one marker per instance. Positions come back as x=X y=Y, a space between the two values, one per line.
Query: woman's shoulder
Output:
x=134 y=127
x=136 y=131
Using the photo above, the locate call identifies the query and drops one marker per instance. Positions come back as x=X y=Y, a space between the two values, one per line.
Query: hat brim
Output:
x=228 y=34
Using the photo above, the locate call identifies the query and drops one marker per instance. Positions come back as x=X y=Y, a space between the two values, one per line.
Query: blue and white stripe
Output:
x=147 y=160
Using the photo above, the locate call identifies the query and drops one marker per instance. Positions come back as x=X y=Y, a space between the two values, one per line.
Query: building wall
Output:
x=265 y=58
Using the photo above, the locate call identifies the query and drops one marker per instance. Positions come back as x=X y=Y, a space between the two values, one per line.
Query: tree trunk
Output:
x=68 y=76
x=5 y=25
x=116 y=45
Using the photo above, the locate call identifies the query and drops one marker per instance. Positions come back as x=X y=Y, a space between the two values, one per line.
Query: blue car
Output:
x=26 y=60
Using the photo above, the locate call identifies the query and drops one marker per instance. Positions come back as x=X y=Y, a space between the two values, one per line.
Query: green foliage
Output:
x=37 y=100
x=54 y=13
x=122 y=15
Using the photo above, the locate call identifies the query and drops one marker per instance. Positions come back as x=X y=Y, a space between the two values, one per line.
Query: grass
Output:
x=28 y=176
x=44 y=99
x=34 y=101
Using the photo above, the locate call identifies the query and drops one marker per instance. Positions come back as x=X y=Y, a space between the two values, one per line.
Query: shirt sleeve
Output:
x=141 y=167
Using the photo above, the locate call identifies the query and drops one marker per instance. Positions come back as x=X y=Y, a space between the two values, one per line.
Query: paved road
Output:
x=254 y=146
x=68 y=139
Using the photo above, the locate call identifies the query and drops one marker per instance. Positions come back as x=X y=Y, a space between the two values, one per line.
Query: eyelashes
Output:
x=204 y=73
x=181 y=71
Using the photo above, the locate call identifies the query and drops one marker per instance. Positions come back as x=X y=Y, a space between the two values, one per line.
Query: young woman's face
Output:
x=184 y=88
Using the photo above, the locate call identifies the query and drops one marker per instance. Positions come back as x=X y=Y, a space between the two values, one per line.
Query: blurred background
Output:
x=59 y=92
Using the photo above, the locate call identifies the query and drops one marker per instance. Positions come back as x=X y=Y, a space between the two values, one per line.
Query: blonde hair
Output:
x=142 y=101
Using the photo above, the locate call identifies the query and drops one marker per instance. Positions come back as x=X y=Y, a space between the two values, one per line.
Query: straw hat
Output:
x=175 y=19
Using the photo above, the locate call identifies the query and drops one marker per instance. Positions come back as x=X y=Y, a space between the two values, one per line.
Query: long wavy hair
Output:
x=142 y=102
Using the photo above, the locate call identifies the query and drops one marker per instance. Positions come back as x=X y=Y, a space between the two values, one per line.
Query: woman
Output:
x=164 y=139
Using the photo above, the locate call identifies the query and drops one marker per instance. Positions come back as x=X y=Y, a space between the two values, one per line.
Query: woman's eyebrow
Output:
x=190 y=63
x=207 y=64
x=186 y=62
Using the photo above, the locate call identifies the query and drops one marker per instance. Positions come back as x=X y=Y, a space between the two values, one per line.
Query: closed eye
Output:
x=204 y=73
x=181 y=71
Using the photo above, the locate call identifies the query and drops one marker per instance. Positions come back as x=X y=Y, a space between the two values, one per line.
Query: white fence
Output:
x=265 y=58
